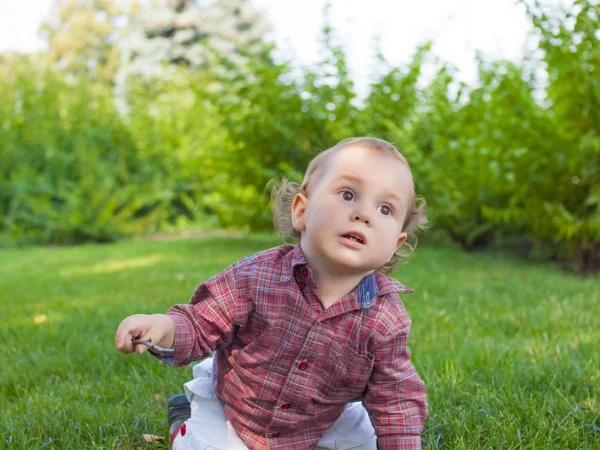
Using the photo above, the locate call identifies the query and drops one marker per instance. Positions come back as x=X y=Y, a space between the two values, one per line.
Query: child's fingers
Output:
x=123 y=342
x=126 y=346
x=121 y=345
x=131 y=328
x=141 y=348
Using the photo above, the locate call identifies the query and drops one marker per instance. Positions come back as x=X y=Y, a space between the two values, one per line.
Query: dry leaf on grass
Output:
x=39 y=319
x=151 y=437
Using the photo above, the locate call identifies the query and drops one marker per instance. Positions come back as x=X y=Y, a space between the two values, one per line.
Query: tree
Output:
x=82 y=36
x=567 y=210
x=187 y=33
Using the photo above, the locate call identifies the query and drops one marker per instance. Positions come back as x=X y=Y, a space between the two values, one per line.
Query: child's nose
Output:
x=360 y=212
x=361 y=216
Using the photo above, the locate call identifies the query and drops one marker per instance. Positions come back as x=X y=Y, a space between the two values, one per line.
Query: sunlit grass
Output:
x=112 y=266
x=508 y=349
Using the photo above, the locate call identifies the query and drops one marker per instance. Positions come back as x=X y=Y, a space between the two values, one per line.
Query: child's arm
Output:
x=396 y=396
x=217 y=307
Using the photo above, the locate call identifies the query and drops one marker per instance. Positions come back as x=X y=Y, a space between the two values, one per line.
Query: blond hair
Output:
x=283 y=192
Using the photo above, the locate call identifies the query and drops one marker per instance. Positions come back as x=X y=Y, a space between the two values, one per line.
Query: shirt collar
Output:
x=368 y=289
x=298 y=258
x=293 y=258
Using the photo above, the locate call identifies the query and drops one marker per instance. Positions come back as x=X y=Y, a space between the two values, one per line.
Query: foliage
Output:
x=82 y=36
x=260 y=114
x=484 y=155
x=186 y=33
x=327 y=89
x=69 y=169
x=515 y=156
x=565 y=206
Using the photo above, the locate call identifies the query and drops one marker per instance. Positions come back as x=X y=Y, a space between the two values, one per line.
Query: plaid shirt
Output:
x=286 y=367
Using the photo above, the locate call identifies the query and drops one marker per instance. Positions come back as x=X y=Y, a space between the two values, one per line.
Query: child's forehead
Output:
x=357 y=152
x=386 y=172
x=389 y=170
x=361 y=161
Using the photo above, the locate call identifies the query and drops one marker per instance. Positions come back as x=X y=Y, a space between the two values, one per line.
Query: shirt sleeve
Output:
x=396 y=396
x=217 y=308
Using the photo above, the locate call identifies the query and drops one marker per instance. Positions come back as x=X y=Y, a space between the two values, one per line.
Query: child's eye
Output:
x=386 y=210
x=348 y=195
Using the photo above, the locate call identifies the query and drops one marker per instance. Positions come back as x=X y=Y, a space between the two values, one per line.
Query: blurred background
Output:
x=124 y=118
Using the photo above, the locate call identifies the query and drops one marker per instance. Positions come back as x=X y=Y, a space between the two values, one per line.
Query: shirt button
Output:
x=274 y=435
x=286 y=405
x=302 y=285
x=304 y=272
x=303 y=366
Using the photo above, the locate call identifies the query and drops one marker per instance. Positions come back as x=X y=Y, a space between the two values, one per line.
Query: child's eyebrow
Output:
x=352 y=178
x=393 y=197
x=358 y=180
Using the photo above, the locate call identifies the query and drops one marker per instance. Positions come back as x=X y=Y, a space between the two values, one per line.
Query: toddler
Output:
x=309 y=340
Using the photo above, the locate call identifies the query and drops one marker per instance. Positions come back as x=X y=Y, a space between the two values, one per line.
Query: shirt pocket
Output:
x=344 y=373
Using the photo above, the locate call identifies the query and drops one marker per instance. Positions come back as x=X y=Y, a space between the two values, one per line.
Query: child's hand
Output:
x=158 y=327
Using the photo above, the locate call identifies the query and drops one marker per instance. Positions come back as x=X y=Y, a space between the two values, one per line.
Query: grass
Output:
x=508 y=349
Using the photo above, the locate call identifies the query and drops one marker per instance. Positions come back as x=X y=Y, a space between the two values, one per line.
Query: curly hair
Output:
x=283 y=192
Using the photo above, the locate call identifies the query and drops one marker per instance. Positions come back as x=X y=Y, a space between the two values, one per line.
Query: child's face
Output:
x=360 y=192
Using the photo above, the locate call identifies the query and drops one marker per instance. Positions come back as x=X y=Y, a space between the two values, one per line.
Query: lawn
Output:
x=508 y=349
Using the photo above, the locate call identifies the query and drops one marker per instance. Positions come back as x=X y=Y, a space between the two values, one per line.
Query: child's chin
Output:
x=351 y=264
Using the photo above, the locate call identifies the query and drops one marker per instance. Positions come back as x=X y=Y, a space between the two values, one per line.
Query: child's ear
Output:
x=401 y=239
x=299 y=206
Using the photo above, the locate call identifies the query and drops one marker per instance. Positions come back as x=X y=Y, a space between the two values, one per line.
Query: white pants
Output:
x=209 y=429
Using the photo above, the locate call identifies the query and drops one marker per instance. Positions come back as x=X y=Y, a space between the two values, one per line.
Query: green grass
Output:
x=508 y=349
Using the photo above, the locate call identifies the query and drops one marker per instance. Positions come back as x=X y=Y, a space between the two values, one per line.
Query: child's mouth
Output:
x=353 y=237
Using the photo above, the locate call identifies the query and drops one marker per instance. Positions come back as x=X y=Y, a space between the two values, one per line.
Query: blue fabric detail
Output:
x=169 y=360
x=367 y=291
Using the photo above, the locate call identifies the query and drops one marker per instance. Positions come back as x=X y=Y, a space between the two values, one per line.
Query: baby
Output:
x=309 y=341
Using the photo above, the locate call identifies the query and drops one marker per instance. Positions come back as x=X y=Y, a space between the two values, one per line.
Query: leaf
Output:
x=151 y=437
x=39 y=319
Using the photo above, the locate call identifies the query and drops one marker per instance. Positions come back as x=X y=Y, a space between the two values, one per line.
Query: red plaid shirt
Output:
x=286 y=367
